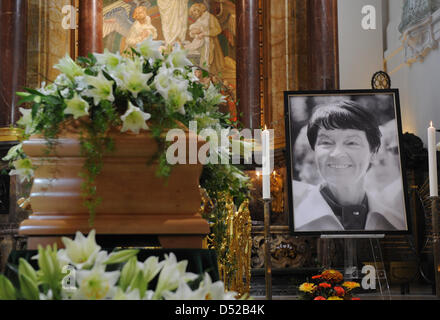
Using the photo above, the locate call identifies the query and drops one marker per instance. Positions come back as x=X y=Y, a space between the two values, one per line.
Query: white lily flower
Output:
x=162 y=81
x=80 y=252
x=134 y=119
x=65 y=93
x=151 y=268
x=48 y=90
x=96 y=284
x=150 y=49
x=214 y=97
x=178 y=58
x=23 y=169
x=135 y=82
x=102 y=88
x=184 y=292
x=111 y=60
x=69 y=67
x=48 y=296
x=215 y=291
x=178 y=95
x=14 y=152
x=80 y=83
x=77 y=106
x=62 y=81
x=172 y=274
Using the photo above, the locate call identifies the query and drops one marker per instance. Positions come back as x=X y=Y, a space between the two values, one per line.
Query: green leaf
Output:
x=121 y=256
x=35 y=108
x=29 y=288
x=28 y=98
x=26 y=269
x=7 y=290
x=34 y=92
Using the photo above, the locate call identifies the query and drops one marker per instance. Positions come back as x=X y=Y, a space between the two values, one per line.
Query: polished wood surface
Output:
x=248 y=63
x=90 y=33
x=134 y=199
x=13 y=28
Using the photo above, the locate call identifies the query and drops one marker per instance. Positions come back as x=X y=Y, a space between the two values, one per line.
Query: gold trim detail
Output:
x=10 y=134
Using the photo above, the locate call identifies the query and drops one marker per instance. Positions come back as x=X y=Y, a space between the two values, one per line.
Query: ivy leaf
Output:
x=34 y=92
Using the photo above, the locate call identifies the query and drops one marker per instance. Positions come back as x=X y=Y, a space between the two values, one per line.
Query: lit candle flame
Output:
x=431 y=124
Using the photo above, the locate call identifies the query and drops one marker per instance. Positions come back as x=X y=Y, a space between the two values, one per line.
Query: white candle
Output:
x=432 y=157
x=265 y=138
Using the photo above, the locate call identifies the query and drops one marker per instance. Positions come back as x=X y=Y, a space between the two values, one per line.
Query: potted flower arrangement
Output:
x=95 y=141
x=329 y=285
x=83 y=271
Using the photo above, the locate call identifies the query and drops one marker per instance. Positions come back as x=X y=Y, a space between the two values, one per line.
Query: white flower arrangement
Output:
x=80 y=271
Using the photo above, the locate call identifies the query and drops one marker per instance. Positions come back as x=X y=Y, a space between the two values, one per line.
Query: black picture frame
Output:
x=290 y=159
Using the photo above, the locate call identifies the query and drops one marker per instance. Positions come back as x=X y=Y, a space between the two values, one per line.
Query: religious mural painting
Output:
x=206 y=29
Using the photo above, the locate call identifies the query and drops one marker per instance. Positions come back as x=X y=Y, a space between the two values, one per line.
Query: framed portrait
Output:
x=345 y=170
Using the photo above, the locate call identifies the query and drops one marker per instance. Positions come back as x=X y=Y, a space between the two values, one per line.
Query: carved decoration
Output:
x=286 y=251
x=420 y=35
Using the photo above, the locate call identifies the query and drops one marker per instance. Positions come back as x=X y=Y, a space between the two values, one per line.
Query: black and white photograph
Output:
x=344 y=162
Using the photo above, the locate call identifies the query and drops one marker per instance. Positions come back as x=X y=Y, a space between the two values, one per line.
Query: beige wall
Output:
x=360 y=51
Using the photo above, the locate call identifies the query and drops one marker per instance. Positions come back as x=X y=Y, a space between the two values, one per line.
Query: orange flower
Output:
x=320 y=298
x=350 y=285
x=317 y=277
x=332 y=275
x=340 y=292
x=325 y=285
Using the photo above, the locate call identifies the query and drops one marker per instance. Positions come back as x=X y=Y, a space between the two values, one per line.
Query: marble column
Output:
x=248 y=63
x=13 y=21
x=316 y=45
x=324 y=44
x=90 y=33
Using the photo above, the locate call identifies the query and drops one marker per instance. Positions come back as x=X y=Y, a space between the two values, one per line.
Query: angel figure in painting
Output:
x=120 y=17
x=141 y=28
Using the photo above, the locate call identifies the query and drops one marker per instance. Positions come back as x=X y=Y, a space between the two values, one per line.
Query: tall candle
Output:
x=432 y=157
x=265 y=138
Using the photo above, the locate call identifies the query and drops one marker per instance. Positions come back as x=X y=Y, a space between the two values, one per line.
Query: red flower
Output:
x=317 y=277
x=320 y=298
x=325 y=285
x=339 y=291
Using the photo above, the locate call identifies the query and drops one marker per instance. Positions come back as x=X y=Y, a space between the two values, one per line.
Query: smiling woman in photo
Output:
x=345 y=138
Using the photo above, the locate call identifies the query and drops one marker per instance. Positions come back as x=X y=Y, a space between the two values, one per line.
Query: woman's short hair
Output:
x=344 y=115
